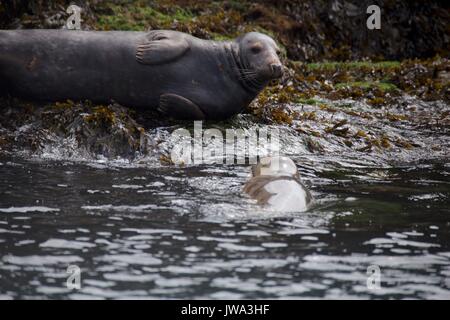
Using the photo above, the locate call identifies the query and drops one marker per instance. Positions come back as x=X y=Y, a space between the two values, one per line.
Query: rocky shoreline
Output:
x=350 y=98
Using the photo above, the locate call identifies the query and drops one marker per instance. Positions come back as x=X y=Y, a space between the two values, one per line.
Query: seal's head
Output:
x=276 y=166
x=276 y=182
x=259 y=55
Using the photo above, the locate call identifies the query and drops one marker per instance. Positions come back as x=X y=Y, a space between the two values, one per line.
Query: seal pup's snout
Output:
x=277 y=70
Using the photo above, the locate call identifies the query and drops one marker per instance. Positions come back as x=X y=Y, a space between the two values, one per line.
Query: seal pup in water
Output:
x=182 y=76
x=276 y=182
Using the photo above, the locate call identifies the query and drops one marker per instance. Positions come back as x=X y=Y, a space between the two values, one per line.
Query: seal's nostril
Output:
x=277 y=70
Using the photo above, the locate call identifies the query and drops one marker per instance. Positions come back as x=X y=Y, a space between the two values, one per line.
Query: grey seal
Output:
x=275 y=182
x=182 y=76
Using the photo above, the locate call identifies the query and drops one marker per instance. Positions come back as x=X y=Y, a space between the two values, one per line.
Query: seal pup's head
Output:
x=259 y=56
x=276 y=182
x=276 y=166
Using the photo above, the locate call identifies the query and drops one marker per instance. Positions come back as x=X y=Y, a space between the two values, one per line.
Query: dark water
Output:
x=168 y=232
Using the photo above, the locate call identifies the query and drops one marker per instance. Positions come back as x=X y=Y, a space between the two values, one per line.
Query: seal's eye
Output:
x=256 y=49
x=278 y=52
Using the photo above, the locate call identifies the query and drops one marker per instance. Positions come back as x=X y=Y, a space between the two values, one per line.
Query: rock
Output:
x=92 y=130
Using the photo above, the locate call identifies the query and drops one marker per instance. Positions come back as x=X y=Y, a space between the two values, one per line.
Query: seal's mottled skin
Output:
x=182 y=76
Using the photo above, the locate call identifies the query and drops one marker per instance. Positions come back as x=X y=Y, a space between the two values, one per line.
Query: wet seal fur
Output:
x=275 y=182
x=184 y=77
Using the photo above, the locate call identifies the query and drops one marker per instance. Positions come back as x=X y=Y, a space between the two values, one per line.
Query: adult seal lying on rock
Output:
x=182 y=76
x=276 y=182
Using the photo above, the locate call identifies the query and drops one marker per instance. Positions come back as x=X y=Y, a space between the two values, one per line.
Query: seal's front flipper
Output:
x=178 y=107
x=161 y=46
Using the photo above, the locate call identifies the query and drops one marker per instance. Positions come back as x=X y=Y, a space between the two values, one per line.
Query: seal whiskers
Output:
x=251 y=77
x=241 y=71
